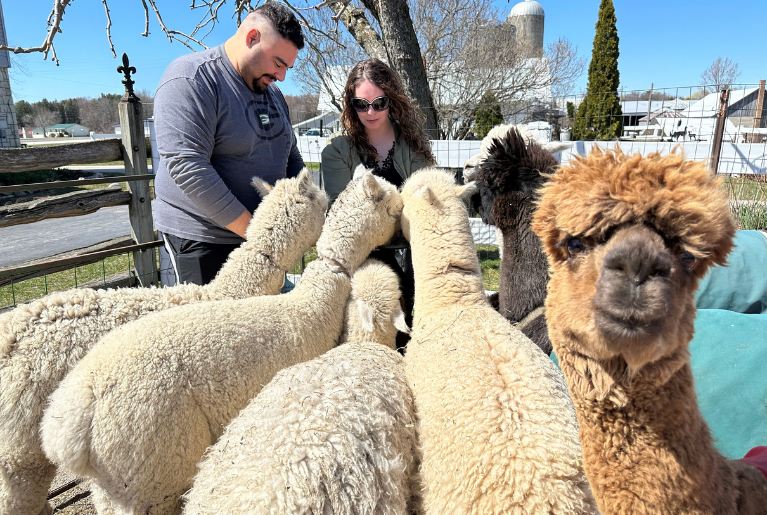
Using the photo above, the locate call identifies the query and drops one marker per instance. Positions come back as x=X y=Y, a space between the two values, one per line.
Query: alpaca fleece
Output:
x=498 y=432
x=333 y=435
x=42 y=341
x=627 y=239
x=137 y=413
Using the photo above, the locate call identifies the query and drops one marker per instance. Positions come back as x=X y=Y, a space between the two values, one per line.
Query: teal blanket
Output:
x=729 y=355
x=740 y=286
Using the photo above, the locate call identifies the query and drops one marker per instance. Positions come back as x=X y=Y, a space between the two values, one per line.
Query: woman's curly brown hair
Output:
x=401 y=109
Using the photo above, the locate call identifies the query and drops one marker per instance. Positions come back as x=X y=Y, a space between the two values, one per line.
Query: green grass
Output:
x=32 y=289
x=748 y=200
x=750 y=217
x=745 y=187
x=489 y=264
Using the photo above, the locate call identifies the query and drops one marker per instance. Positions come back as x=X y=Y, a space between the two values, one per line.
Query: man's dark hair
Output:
x=284 y=21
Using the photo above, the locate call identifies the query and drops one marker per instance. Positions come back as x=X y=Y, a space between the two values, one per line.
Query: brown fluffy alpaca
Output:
x=627 y=239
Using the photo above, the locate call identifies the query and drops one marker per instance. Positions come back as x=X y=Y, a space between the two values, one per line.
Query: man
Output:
x=220 y=121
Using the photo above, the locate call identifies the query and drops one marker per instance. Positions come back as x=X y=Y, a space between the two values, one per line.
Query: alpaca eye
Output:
x=575 y=246
x=687 y=260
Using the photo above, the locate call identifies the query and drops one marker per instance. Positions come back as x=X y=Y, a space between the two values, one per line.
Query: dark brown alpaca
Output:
x=508 y=179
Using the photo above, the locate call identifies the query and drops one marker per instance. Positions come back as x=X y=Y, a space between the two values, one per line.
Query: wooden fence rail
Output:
x=131 y=149
x=27 y=159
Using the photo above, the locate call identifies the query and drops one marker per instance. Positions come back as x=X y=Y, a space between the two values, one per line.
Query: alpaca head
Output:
x=373 y=311
x=511 y=172
x=289 y=218
x=627 y=239
x=436 y=223
x=430 y=194
x=365 y=215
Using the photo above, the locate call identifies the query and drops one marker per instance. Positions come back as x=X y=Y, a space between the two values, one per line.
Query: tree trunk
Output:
x=405 y=58
x=360 y=29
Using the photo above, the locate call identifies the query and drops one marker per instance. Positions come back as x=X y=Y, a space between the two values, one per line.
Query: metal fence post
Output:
x=134 y=155
x=721 y=115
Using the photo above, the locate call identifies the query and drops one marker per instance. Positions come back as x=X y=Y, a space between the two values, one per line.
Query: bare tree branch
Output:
x=109 y=28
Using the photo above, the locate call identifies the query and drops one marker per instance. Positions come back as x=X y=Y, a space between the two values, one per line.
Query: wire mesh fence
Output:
x=727 y=131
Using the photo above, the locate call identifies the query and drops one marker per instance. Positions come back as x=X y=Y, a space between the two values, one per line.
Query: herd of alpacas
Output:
x=232 y=399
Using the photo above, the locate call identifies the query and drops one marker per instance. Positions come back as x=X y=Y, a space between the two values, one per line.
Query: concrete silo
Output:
x=527 y=19
x=9 y=136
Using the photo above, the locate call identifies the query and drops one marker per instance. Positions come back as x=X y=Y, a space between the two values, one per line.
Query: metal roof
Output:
x=527 y=8
x=709 y=105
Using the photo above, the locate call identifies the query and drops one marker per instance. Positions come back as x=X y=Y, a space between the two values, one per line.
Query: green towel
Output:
x=729 y=352
x=742 y=285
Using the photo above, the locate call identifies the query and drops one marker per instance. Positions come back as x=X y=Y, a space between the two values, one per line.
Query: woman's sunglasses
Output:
x=379 y=104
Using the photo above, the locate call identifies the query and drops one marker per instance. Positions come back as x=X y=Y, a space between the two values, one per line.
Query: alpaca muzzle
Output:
x=634 y=291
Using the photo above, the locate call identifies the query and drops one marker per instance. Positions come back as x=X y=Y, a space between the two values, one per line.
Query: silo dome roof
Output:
x=527 y=8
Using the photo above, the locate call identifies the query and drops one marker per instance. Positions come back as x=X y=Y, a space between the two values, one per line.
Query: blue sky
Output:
x=668 y=43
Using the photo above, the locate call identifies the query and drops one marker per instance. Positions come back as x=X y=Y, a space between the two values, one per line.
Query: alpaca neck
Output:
x=524 y=270
x=646 y=447
x=322 y=276
x=445 y=266
x=236 y=278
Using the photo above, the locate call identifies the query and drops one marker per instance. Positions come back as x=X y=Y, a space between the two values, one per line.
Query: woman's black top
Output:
x=385 y=170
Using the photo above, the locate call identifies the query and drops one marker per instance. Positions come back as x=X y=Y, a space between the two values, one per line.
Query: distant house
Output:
x=61 y=129
x=741 y=107
x=118 y=130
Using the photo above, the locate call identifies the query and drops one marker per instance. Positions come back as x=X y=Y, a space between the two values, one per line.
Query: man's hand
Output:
x=241 y=224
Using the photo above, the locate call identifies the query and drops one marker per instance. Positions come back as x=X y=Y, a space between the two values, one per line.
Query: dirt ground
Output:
x=82 y=506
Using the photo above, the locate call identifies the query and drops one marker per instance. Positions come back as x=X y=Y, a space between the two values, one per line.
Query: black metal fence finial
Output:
x=126 y=69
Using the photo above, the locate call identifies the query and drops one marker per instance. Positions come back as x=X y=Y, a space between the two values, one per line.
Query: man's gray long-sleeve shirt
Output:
x=214 y=135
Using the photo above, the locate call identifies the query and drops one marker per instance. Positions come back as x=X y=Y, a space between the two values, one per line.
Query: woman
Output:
x=382 y=130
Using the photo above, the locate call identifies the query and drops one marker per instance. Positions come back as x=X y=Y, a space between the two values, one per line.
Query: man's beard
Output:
x=260 y=87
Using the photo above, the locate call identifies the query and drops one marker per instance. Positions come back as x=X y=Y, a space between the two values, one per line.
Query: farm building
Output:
x=9 y=137
x=61 y=130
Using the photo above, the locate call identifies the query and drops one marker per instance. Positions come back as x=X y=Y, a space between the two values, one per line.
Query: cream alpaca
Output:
x=627 y=239
x=497 y=429
x=333 y=435
x=40 y=342
x=373 y=311
x=137 y=413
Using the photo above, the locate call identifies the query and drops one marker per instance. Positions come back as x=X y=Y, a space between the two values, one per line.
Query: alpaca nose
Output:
x=639 y=259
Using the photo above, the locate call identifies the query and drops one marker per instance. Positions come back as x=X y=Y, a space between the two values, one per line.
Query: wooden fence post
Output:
x=721 y=116
x=134 y=155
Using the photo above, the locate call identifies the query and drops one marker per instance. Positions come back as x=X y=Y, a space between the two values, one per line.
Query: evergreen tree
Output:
x=487 y=116
x=600 y=115
x=69 y=111
x=23 y=112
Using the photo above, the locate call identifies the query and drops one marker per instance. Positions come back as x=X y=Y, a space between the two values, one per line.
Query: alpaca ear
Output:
x=262 y=187
x=366 y=315
x=304 y=180
x=359 y=171
x=371 y=187
x=556 y=147
x=426 y=193
x=398 y=319
x=466 y=191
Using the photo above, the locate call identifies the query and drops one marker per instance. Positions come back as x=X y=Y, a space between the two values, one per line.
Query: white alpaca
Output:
x=333 y=435
x=42 y=341
x=497 y=429
x=373 y=311
x=137 y=413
